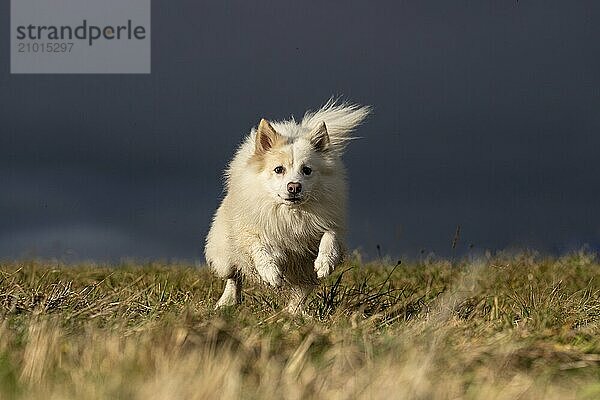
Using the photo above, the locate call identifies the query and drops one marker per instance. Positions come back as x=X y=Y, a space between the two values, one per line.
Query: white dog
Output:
x=282 y=218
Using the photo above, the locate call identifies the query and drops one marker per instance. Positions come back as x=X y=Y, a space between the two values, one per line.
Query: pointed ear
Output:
x=265 y=137
x=319 y=138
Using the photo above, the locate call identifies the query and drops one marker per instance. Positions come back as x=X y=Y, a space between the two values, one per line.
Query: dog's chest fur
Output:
x=292 y=232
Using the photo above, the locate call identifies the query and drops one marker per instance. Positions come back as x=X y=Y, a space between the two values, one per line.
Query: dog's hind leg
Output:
x=232 y=294
x=298 y=296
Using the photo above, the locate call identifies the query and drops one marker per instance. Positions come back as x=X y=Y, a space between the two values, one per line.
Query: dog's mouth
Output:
x=291 y=200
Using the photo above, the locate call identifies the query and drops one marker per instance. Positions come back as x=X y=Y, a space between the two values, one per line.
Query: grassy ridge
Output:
x=503 y=327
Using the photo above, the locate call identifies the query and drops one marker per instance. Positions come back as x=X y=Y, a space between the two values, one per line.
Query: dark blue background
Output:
x=486 y=114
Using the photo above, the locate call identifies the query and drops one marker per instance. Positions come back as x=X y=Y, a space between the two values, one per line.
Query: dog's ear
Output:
x=265 y=137
x=319 y=138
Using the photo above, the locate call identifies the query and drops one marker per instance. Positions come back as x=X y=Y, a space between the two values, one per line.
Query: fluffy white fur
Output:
x=265 y=231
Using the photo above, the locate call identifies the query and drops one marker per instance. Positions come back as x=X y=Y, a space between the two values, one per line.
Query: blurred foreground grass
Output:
x=506 y=327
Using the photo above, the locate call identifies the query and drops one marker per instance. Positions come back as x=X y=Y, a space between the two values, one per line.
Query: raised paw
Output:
x=270 y=274
x=324 y=265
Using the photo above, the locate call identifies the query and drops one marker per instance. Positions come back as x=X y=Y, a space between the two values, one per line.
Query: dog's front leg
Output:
x=232 y=294
x=330 y=254
x=266 y=266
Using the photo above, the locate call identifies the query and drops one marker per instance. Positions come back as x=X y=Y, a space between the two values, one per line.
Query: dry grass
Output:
x=507 y=327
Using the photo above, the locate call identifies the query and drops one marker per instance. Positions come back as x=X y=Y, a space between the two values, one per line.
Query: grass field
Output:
x=503 y=327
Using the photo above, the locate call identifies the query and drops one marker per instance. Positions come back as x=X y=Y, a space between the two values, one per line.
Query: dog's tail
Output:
x=341 y=119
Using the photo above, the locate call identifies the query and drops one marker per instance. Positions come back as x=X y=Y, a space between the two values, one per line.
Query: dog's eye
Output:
x=279 y=170
x=306 y=170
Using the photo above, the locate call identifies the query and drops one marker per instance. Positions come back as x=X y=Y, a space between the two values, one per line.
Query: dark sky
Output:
x=486 y=114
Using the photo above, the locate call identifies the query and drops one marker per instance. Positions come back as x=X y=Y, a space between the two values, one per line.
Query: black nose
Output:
x=294 y=187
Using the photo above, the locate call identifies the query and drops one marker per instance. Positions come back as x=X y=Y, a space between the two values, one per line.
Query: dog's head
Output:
x=293 y=168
